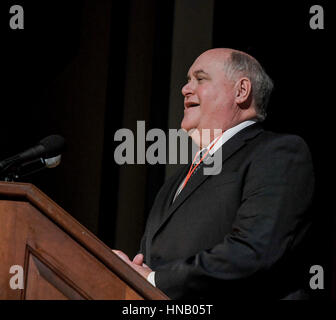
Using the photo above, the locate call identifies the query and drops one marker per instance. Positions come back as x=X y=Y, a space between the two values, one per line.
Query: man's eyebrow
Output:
x=196 y=73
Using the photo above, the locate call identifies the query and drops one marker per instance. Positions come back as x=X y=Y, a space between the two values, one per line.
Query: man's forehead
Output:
x=207 y=64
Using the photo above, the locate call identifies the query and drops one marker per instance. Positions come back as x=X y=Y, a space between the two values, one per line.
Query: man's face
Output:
x=209 y=95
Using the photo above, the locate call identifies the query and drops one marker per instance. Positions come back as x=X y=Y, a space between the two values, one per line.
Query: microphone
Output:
x=47 y=148
x=28 y=168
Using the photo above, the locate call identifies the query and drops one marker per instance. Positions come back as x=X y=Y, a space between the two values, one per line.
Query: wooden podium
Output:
x=60 y=259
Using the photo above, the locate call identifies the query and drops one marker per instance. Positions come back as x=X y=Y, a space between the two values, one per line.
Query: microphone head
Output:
x=53 y=145
x=53 y=162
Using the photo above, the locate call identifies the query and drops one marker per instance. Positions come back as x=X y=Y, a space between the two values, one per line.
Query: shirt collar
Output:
x=228 y=134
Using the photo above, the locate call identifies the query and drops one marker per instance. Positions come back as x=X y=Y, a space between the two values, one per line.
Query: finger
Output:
x=122 y=255
x=138 y=259
x=143 y=271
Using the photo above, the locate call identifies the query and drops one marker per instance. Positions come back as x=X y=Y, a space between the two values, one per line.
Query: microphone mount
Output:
x=47 y=154
x=15 y=173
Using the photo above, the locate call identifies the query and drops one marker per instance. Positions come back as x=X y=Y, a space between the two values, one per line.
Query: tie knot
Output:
x=197 y=162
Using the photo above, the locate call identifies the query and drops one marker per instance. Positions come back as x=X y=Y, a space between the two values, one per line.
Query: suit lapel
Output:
x=199 y=178
x=228 y=149
x=174 y=187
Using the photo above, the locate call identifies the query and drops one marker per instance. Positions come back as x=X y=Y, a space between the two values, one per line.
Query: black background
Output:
x=298 y=59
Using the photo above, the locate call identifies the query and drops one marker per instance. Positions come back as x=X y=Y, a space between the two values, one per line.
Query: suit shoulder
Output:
x=273 y=145
x=267 y=138
x=276 y=136
x=278 y=157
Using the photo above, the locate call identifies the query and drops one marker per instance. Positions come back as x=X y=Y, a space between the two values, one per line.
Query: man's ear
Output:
x=243 y=92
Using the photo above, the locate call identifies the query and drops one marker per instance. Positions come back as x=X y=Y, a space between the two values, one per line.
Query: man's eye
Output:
x=200 y=79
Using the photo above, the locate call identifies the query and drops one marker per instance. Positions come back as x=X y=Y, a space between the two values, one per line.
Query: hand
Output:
x=137 y=263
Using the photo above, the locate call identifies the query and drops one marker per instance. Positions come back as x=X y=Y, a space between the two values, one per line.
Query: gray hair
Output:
x=262 y=85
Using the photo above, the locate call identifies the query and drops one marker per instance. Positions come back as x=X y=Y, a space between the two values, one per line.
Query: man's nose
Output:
x=187 y=89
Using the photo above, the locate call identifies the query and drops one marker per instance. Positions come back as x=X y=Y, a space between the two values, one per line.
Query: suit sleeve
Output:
x=276 y=193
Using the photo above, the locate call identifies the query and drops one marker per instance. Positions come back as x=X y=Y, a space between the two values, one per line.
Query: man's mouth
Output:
x=191 y=105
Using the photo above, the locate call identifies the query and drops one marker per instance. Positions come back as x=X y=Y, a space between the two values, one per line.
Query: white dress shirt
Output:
x=228 y=134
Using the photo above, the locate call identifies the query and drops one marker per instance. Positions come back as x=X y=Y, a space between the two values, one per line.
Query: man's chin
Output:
x=202 y=137
x=187 y=126
x=193 y=133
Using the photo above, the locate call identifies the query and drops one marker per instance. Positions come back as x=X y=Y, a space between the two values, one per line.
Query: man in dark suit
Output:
x=240 y=233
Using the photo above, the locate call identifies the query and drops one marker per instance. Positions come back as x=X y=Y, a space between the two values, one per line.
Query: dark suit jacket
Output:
x=237 y=234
